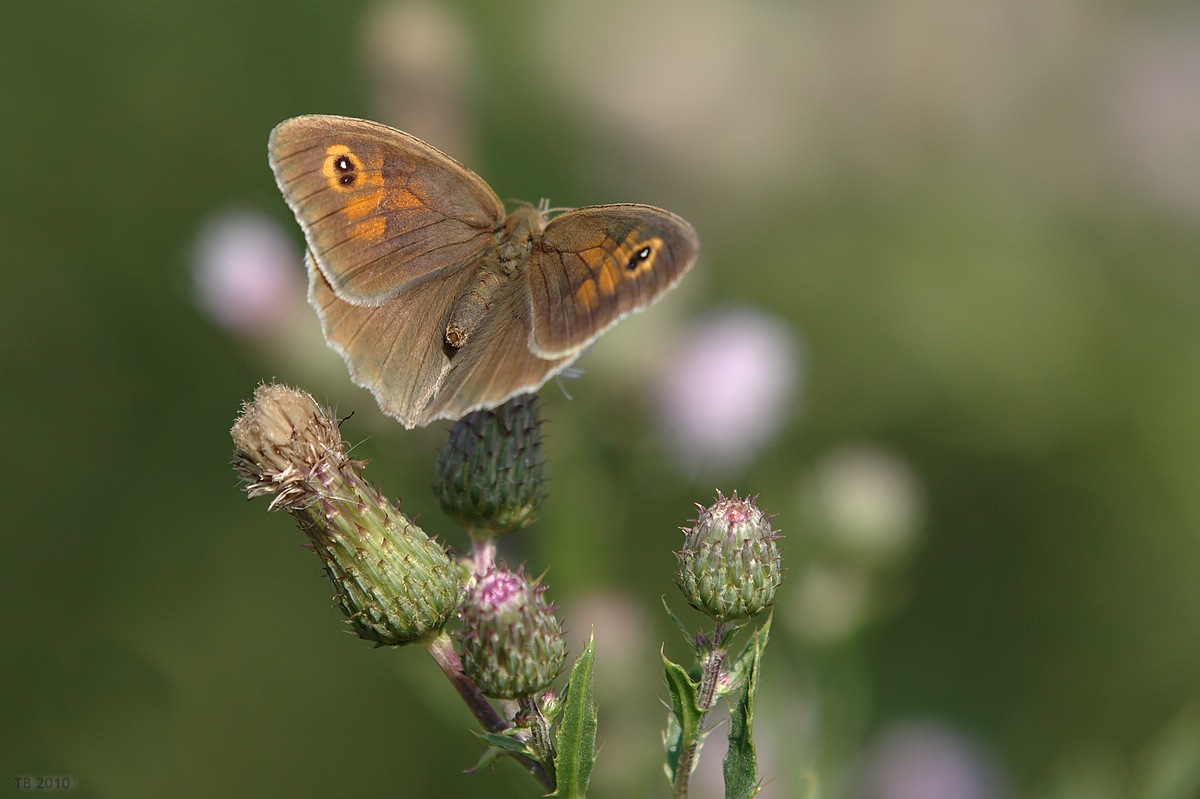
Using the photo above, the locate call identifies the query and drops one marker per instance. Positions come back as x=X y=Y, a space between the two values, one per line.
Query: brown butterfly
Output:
x=440 y=302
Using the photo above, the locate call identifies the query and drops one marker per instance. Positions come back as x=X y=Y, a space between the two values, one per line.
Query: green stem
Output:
x=444 y=655
x=713 y=658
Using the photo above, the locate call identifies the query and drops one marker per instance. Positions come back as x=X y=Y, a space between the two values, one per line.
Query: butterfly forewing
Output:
x=596 y=265
x=379 y=208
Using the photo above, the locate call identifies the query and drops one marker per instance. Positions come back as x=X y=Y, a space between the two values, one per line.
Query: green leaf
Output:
x=686 y=715
x=741 y=765
x=507 y=744
x=490 y=756
x=500 y=746
x=683 y=630
x=749 y=656
x=577 y=730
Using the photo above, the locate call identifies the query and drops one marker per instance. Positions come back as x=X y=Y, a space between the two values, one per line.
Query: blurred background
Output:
x=945 y=323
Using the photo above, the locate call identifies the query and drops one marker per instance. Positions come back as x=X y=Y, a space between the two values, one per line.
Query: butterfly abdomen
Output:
x=472 y=308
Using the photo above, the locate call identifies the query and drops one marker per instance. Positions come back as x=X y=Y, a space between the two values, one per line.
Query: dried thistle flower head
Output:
x=284 y=441
x=394 y=583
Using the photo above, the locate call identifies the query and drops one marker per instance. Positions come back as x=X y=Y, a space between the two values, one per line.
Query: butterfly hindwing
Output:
x=596 y=265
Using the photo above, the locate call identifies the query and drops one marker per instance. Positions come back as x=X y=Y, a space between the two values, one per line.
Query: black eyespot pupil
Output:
x=636 y=259
x=346 y=167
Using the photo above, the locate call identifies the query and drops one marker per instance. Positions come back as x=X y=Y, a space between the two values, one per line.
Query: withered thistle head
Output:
x=394 y=583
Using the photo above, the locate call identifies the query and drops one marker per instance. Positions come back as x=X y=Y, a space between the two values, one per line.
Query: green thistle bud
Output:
x=512 y=642
x=490 y=476
x=730 y=568
x=394 y=583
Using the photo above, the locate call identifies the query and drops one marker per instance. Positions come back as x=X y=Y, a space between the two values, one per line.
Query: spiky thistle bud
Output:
x=394 y=583
x=729 y=567
x=490 y=476
x=512 y=642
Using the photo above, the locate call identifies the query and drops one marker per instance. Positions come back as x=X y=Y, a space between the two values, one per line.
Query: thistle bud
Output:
x=394 y=583
x=512 y=642
x=490 y=476
x=730 y=567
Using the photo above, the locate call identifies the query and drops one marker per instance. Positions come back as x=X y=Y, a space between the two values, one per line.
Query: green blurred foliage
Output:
x=979 y=224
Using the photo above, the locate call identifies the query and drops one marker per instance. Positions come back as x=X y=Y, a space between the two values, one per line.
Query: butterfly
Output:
x=439 y=301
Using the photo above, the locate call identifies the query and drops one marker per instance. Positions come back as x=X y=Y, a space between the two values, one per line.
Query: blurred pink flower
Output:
x=729 y=390
x=924 y=760
x=247 y=273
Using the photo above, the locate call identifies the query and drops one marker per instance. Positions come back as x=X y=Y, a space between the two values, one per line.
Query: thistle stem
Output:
x=483 y=554
x=712 y=659
x=442 y=650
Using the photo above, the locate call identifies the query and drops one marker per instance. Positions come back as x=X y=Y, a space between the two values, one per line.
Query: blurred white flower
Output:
x=864 y=507
x=248 y=275
x=865 y=502
x=923 y=760
x=729 y=390
x=827 y=603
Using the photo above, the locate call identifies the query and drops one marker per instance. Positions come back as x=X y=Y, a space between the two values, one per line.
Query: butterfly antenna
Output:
x=545 y=208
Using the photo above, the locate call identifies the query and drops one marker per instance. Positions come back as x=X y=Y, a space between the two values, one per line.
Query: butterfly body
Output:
x=439 y=301
x=498 y=269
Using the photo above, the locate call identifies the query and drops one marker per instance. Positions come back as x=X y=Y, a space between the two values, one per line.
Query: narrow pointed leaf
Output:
x=507 y=744
x=685 y=712
x=490 y=756
x=577 y=730
x=741 y=764
x=683 y=630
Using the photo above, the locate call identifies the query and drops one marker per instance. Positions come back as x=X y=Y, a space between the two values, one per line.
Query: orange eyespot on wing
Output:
x=345 y=173
x=612 y=264
x=378 y=207
x=596 y=265
x=344 y=170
